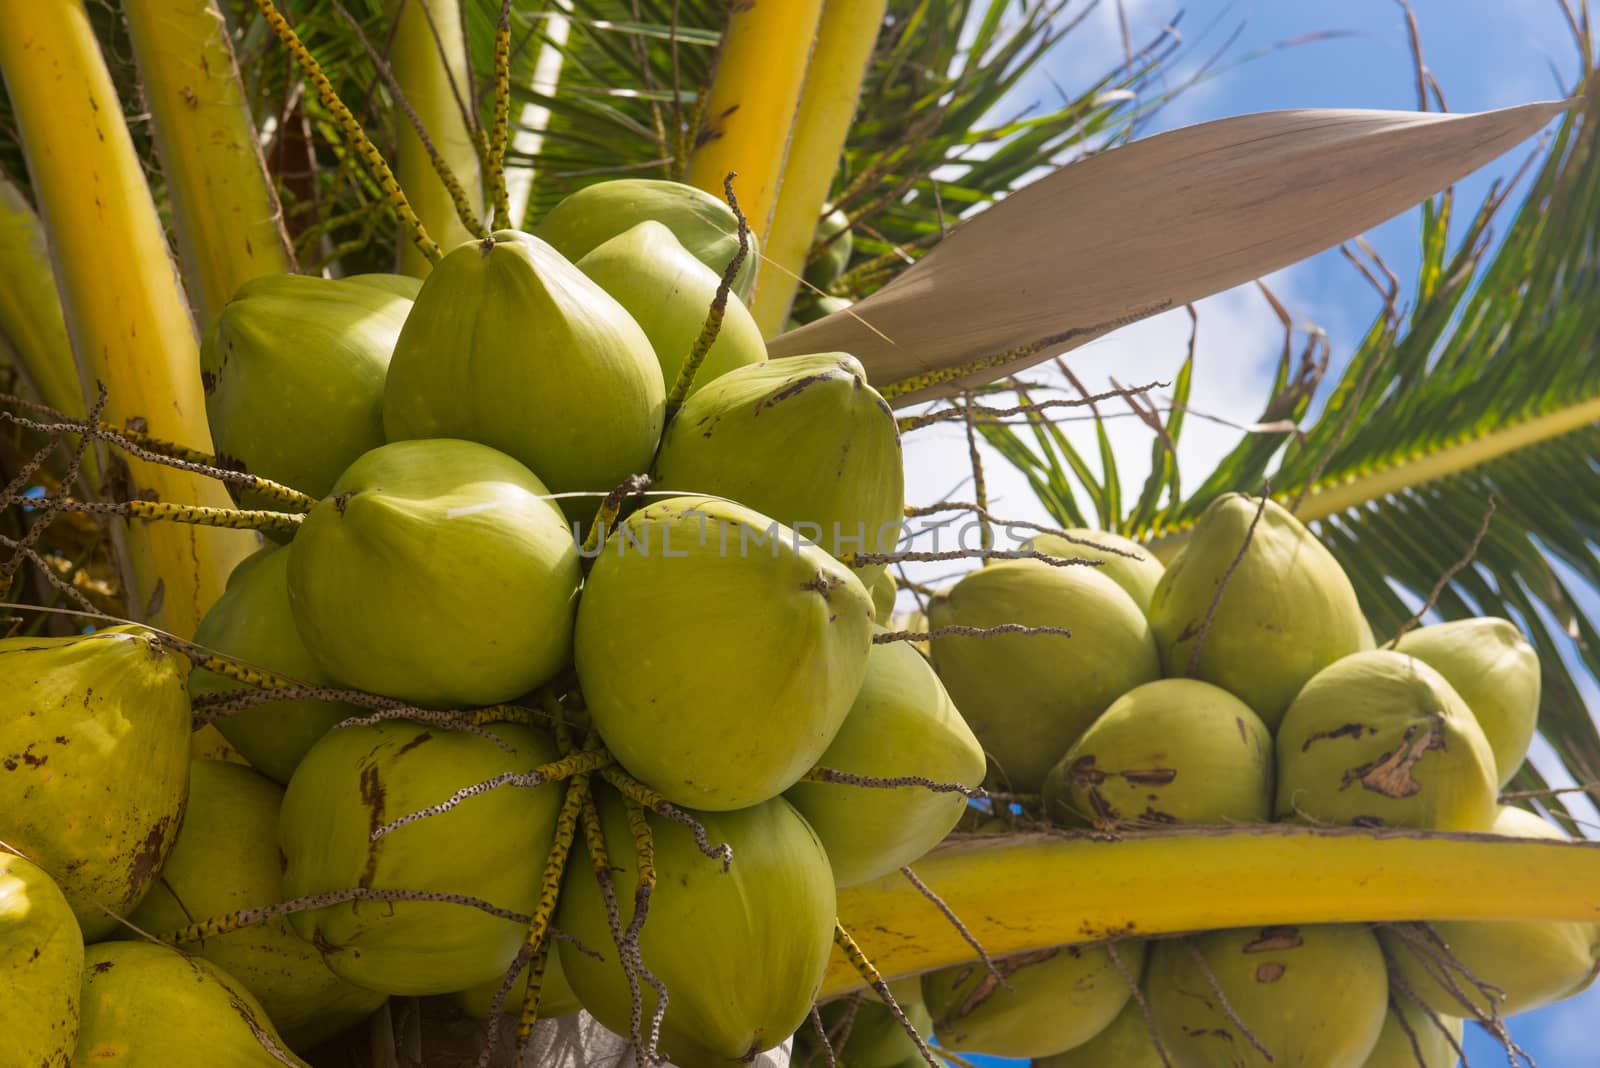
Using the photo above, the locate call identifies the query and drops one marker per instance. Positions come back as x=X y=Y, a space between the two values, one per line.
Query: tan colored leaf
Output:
x=1150 y=226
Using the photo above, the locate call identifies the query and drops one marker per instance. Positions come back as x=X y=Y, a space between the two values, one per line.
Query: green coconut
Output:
x=510 y=345
x=1381 y=739
x=1533 y=963
x=1412 y=1039
x=718 y=653
x=1495 y=670
x=252 y=622
x=902 y=723
x=702 y=223
x=436 y=572
x=669 y=293
x=1058 y=998
x=555 y=993
x=802 y=439
x=1314 y=996
x=293 y=369
x=1028 y=696
x=1170 y=751
x=883 y=592
x=1288 y=610
x=41 y=966
x=358 y=779
x=1126 y=1042
x=227 y=859
x=94 y=763
x=149 y=1006
x=741 y=952
x=872 y=1038
x=1122 y=560
x=825 y=270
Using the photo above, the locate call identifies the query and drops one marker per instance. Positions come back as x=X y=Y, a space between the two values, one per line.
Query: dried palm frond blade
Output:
x=1146 y=227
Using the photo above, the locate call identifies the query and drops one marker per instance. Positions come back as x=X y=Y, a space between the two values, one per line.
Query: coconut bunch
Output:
x=566 y=621
x=1240 y=684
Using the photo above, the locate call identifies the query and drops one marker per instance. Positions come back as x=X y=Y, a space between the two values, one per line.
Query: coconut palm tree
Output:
x=217 y=133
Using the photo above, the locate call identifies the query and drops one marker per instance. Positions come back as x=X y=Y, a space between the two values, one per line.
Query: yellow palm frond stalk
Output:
x=1065 y=890
x=429 y=61
x=845 y=38
x=30 y=311
x=125 y=311
x=228 y=220
x=749 y=112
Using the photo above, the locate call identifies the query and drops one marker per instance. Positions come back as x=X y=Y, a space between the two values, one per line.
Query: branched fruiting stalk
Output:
x=822 y=1039
x=611 y=507
x=846 y=1022
x=1134 y=992
x=635 y=790
x=1442 y=966
x=869 y=972
x=963 y=631
x=1444 y=579
x=538 y=940
x=57 y=583
x=955 y=921
x=502 y=118
x=982 y=415
x=980 y=487
x=1398 y=982
x=228 y=668
x=447 y=177
x=1222 y=999
x=555 y=771
x=194 y=514
x=53 y=507
x=719 y=308
x=600 y=862
x=497 y=1004
x=153 y=450
x=875 y=782
x=869 y=559
x=1192 y=669
x=234 y=921
x=999 y=521
x=645 y=865
x=350 y=128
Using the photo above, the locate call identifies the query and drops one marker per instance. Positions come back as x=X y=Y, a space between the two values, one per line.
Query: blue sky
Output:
x=1485 y=54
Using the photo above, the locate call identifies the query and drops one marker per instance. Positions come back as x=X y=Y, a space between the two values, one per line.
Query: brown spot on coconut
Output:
x=1169 y=751
x=1496 y=672
x=1058 y=999
x=226 y=859
x=101 y=813
x=145 y=1003
x=1418 y=759
x=41 y=966
x=1313 y=996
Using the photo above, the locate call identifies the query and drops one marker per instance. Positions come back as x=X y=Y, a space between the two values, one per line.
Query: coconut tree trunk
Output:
x=125 y=311
x=228 y=220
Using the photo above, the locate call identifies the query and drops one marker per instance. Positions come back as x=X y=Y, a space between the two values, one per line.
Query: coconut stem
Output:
x=538 y=940
x=955 y=921
x=154 y=450
x=630 y=787
x=961 y=630
x=502 y=118
x=719 y=308
x=350 y=127
x=447 y=177
x=194 y=514
x=568 y=767
x=234 y=921
x=869 y=972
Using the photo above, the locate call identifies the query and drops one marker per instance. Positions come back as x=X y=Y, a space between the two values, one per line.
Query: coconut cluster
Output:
x=1241 y=684
x=467 y=573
